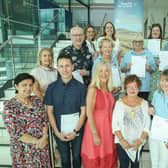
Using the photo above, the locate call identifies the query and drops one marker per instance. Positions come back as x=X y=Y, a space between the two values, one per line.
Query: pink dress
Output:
x=104 y=155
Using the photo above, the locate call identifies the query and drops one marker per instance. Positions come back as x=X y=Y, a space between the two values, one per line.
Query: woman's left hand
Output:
x=42 y=142
x=136 y=144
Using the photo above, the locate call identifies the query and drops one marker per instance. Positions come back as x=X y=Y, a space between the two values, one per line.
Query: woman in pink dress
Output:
x=98 y=148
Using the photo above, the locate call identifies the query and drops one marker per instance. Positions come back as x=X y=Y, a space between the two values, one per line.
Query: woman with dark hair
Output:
x=155 y=33
x=90 y=34
x=110 y=32
x=25 y=119
x=130 y=123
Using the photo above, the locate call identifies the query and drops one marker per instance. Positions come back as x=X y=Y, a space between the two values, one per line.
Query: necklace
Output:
x=133 y=104
x=132 y=113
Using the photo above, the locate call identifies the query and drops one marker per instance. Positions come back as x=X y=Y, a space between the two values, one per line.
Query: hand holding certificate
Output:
x=163 y=55
x=154 y=46
x=138 y=66
x=69 y=122
x=159 y=128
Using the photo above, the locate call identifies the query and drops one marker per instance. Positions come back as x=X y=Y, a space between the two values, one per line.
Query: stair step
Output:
x=5 y=158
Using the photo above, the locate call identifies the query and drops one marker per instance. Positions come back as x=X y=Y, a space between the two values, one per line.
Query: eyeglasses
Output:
x=77 y=35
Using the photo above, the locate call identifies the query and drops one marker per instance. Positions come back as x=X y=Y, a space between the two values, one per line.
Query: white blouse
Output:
x=131 y=121
x=92 y=49
x=44 y=76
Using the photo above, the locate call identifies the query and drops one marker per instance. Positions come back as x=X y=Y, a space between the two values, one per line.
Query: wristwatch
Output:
x=76 y=132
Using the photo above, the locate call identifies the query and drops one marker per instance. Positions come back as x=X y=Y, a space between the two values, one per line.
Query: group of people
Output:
x=90 y=121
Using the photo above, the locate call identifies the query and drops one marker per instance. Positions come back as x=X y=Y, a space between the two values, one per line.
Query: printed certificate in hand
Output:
x=1 y=106
x=138 y=66
x=163 y=58
x=159 y=128
x=69 y=122
x=116 y=77
x=154 y=46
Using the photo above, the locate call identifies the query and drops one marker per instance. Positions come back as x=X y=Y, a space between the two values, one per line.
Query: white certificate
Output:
x=154 y=46
x=138 y=66
x=116 y=77
x=163 y=58
x=159 y=129
x=77 y=76
x=69 y=122
x=1 y=106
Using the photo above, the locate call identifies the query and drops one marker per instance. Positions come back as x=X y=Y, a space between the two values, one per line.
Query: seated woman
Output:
x=98 y=148
x=44 y=73
x=25 y=119
x=130 y=123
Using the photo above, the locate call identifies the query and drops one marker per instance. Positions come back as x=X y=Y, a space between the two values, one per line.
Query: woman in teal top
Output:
x=106 y=50
x=159 y=148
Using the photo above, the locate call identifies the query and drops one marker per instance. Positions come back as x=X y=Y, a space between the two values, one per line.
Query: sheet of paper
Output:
x=116 y=77
x=138 y=66
x=77 y=76
x=1 y=106
x=159 y=128
x=163 y=57
x=69 y=122
x=154 y=46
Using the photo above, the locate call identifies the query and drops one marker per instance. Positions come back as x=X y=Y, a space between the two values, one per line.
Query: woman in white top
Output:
x=110 y=32
x=90 y=36
x=44 y=73
x=130 y=123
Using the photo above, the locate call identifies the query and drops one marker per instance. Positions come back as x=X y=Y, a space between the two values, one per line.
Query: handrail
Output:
x=25 y=38
x=18 y=22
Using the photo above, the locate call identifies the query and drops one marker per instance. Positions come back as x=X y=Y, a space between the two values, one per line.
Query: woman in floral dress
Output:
x=25 y=119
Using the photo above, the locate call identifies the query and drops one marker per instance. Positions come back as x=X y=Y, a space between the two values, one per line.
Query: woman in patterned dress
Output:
x=25 y=119
x=155 y=33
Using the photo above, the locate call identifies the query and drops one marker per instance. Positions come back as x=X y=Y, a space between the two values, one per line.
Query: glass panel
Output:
x=20 y=54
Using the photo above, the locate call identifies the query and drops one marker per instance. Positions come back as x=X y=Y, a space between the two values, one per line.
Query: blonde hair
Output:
x=95 y=78
x=163 y=74
x=40 y=53
x=105 y=40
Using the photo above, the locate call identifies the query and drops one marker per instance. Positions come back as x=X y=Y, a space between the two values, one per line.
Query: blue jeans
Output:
x=125 y=160
x=65 y=149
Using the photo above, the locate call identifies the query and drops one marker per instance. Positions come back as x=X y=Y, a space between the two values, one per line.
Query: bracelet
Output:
x=94 y=132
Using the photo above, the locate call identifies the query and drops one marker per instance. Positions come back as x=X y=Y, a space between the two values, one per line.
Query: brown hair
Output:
x=114 y=31
x=153 y=26
x=132 y=78
x=86 y=29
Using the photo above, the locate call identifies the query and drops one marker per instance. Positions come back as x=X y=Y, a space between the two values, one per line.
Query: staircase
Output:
x=58 y=47
x=5 y=158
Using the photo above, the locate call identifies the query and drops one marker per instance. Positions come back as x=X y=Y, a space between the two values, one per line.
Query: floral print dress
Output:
x=19 y=120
